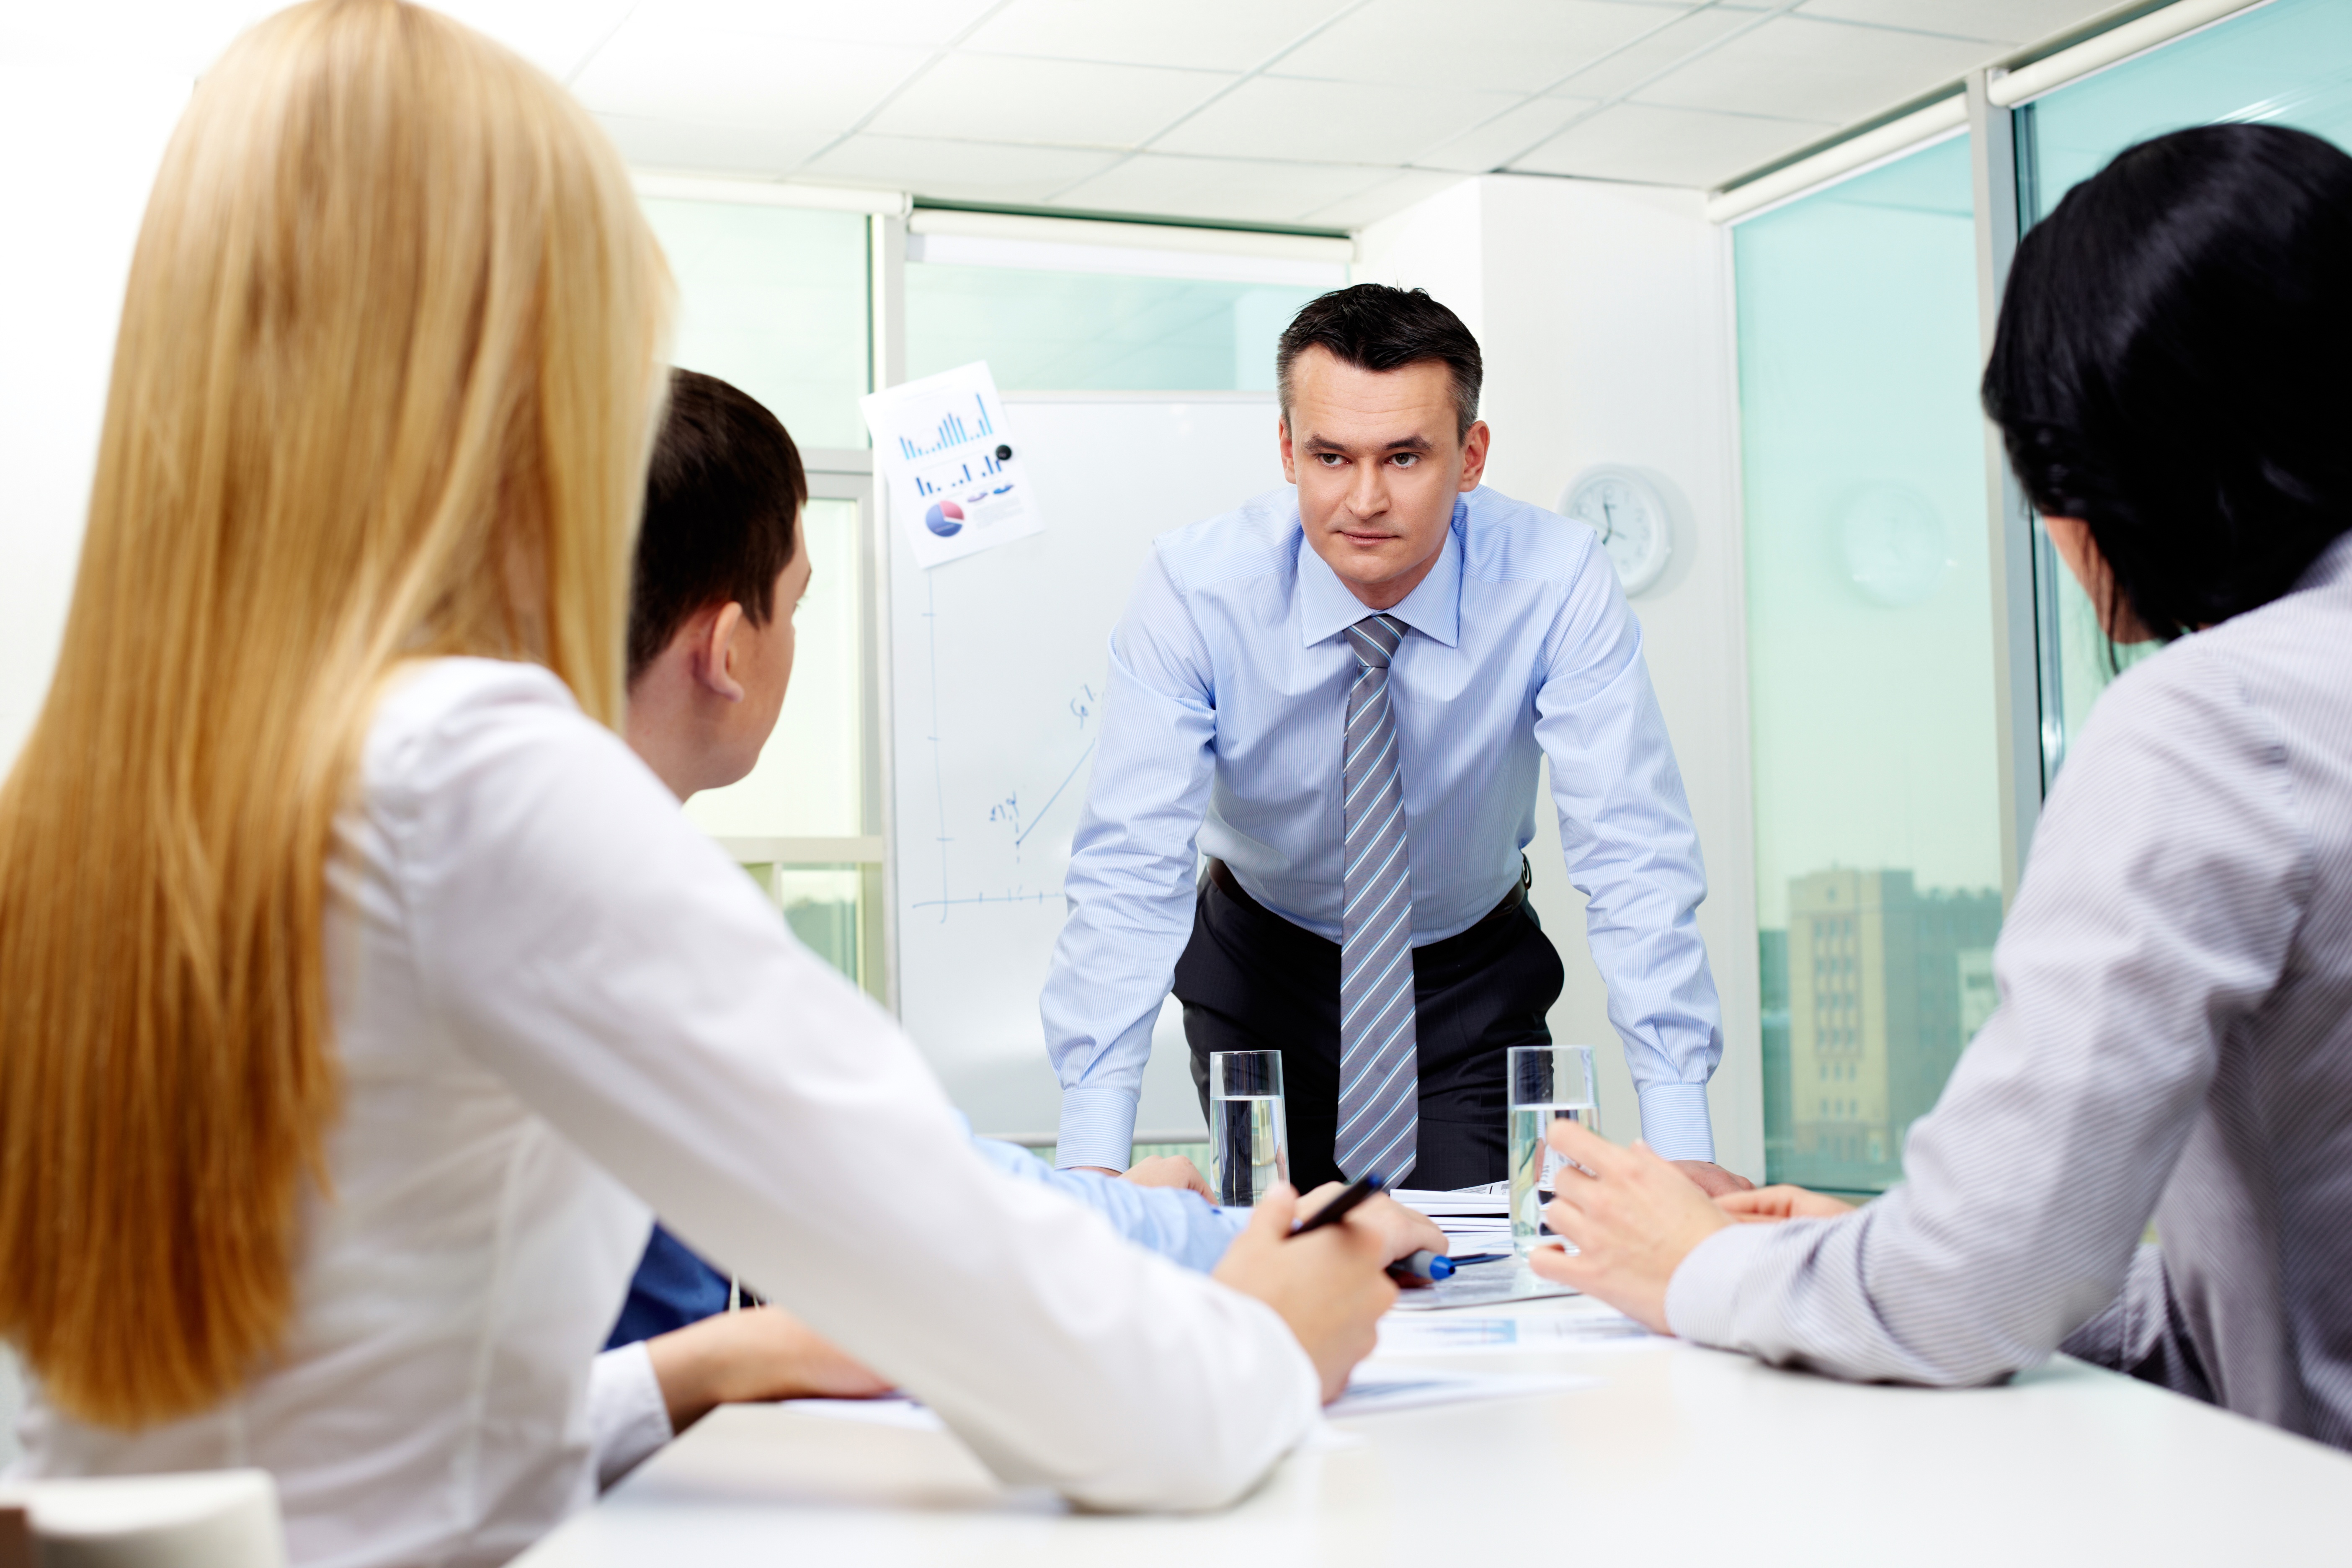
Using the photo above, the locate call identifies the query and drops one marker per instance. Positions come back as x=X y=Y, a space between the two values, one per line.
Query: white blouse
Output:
x=556 y=1004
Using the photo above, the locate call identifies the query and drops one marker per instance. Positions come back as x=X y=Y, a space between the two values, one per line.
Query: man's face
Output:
x=766 y=668
x=1377 y=463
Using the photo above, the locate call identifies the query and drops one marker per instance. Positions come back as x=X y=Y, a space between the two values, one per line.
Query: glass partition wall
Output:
x=1869 y=555
x=1870 y=627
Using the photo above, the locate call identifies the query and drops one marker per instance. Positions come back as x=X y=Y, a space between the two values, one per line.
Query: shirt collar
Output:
x=1325 y=608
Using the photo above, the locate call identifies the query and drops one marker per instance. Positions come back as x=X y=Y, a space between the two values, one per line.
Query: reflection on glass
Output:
x=2287 y=63
x=773 y=300
x=1870 y=627
x=1083 y=331
x=806 y=783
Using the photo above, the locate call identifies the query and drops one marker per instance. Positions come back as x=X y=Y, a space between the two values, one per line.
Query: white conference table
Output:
x=1677 y=1455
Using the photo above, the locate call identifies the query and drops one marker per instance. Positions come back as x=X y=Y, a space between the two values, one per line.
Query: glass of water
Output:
x=1249 y=1137
x=1548 y=1084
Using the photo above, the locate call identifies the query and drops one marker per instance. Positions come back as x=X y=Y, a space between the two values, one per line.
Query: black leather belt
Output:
x=1230 y=885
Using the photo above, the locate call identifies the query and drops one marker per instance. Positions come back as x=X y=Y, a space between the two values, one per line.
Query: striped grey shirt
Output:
x=2173 y=1038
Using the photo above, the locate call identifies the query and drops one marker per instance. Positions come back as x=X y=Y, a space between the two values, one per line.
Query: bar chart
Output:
x=953 y=431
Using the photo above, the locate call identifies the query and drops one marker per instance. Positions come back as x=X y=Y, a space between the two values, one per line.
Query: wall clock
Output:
x=1630 y=517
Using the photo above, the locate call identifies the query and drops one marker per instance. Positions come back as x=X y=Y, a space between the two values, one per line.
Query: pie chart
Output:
x=945 y=519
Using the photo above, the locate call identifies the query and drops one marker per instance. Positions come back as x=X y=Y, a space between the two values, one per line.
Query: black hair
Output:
x=723 y=499
x=2170 y=367
x=1374 y=327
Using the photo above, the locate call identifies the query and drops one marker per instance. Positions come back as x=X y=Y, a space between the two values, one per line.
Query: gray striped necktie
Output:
x=1379 y=1077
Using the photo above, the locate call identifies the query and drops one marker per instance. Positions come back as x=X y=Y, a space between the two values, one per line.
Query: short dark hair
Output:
x=2170 y=367
x=1374 y=327
x=723 y=499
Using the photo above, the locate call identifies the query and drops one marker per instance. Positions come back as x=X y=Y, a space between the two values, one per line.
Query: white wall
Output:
x=1603 y=312
x=80 y=134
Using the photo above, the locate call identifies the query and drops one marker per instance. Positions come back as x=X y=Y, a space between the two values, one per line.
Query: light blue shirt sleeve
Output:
x=1179 y=1226
x=1130 y=878
x=1626 y=833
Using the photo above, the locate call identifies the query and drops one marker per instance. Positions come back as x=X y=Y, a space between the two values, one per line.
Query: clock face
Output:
x=1626 y=511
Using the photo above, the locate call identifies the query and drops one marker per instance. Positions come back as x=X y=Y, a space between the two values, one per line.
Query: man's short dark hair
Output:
x=1374 y=327
x=723 y=499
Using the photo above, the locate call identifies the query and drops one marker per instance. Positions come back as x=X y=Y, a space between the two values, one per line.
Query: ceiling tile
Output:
x=716 y=149
x=1339 y=122
x=959 y=171
x=999 y=99
x=1523 y=45
x=925 y=23
x=1496 y=143
x=1208 y=34
x=1673 y=41
x=1997 y=21
x=656 y=71
x=1667 y=146
x=1391 y=195
x=1231 y=188
x=1815 y=70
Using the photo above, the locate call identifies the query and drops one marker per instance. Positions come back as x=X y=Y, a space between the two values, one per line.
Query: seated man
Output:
x=720 y=566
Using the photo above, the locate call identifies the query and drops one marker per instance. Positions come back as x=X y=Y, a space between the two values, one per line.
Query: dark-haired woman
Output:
x=2175 y=1034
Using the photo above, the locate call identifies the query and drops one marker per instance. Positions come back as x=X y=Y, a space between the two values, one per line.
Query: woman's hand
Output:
x=1782 y=1202
x=1169 y=1171
x=1633 y=1218
x=1404 y=1231
x=763 y=1353
x=1330 y=1287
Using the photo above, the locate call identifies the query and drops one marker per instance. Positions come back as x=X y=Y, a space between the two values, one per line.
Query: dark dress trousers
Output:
x=1251 y=981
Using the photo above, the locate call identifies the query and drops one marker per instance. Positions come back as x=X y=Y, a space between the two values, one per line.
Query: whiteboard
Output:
x=997 y=666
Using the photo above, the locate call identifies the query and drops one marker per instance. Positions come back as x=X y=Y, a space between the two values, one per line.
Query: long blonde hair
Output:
x=384 y=389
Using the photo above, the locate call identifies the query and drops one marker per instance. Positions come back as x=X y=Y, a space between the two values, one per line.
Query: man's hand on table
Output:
x=1763 y=1204
x=1713 y=1179
x=1165 y=1171
x=1330 y=1285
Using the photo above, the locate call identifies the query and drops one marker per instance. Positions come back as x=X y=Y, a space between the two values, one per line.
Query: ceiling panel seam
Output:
x=909 y=80
x=1259 y=70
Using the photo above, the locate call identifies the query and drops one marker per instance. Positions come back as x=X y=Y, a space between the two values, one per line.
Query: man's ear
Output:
x=1282 y=434
x=714 y=654
x=1474 y=454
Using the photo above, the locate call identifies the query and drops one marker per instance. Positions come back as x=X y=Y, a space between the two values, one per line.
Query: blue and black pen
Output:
x=1422 y=1265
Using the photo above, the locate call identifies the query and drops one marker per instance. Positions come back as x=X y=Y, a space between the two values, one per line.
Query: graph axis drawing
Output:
x=1007 y=811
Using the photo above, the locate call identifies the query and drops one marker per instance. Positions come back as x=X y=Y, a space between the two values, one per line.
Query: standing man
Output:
x=1342 y=699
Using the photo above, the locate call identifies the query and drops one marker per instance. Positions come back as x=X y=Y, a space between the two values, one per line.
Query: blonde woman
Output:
x=359 y=990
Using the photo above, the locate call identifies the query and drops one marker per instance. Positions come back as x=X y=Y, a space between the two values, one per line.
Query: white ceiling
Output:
x=1320 y=113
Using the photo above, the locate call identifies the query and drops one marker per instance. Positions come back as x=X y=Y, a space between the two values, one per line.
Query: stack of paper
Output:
x=1475 y=1220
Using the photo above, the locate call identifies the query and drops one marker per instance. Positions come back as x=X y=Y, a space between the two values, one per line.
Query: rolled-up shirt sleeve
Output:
x=628 y=1419
x=1130 y=877
x=1632 y=849
x=2164 y=890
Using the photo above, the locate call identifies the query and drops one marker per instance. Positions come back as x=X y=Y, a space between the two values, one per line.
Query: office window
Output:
x=774 y=301
x=1870 y=655
x=1089 y=332
x=2287 y=63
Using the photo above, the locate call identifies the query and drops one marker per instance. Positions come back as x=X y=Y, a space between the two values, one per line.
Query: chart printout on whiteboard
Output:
x=956 y=479
x=998 y=669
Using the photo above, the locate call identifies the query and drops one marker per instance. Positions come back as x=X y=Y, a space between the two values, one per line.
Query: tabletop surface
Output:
x=1674 y=1450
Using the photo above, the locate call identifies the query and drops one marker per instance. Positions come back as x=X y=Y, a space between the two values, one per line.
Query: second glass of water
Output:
x=1546 y=1084
x=1249 y=1137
